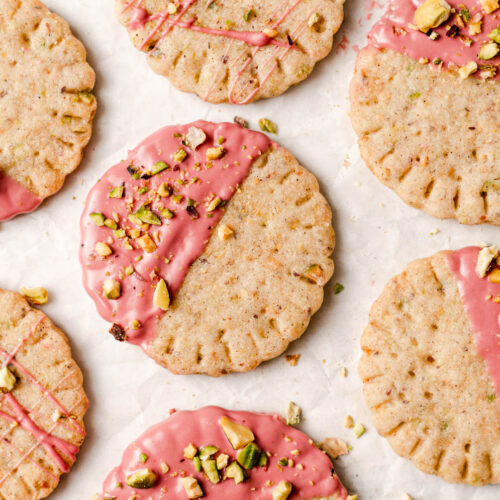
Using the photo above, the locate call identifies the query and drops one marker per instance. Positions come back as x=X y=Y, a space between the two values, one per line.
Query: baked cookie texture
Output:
x=427 y=387
x=246 y=298
x=429 y=136
x=47 y=397
x=46 y=100
x=220 y=68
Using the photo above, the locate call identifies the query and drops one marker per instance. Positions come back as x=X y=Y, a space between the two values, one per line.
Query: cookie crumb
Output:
x=293 y=414
x=292 y=359
x=334 y=447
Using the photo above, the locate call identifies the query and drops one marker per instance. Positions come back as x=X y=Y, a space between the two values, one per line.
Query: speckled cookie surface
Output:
x=220 y=68
x=46 y=403
x=429 y=136
x=246 y=298
x=427 y=387
x=46 y=100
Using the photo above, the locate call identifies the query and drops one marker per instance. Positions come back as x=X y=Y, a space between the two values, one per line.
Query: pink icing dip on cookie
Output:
x=165 y=443
x=483 y=313
x=195 y=185
x=15 y=199
x=392 y=32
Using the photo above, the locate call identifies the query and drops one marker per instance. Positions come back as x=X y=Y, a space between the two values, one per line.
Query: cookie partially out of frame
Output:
x=425 y=367
x=46 y=104
x=425 y=112
x=42 y=402
x=213 y=453
x=254 y=283
x=231 y=58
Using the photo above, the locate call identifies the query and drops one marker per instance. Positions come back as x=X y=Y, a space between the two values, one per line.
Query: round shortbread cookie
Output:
x=425 y=378
x=42 y=402
x=426 y=133
x=247 y=293
x=46 y=104
x=232 y=51
x=240 y=455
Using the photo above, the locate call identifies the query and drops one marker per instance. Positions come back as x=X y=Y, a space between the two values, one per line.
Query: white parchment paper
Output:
x=376 y=236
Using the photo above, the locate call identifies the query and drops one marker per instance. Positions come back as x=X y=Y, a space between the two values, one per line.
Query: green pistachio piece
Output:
x=208 y=451
x=146 y=215
x=142 y=479
x=143 y=457
x=249 y=456
x=282 y=491
x=488 y=51
x=111 y=224
x=263 y=460
x=179 y=156
x=268 y=126
x=158 y=167
x=98 y=219
x=197 y=463
x=210 y=468
x=495 y=35
x=117 y=192
x=214 y=204
x=167 y=213
x=234 y=471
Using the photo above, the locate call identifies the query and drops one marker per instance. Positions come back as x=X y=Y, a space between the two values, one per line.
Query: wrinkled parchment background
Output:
x=376 y=236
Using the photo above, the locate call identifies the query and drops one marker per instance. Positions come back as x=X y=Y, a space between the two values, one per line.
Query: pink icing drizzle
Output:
x=483 y=314
x=182 y=238
x=417 y=45
x=166 y=441
x=15 y=199
x=140 y=17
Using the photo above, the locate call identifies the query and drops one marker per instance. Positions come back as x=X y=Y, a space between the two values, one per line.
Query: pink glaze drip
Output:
x=392 y=32
x=166 y=441
x=15 y=199
x=483 y=313
x=182 y=239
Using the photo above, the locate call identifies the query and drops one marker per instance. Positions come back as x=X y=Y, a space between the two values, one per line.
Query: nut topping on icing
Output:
x=484 y=259
x=431 y=14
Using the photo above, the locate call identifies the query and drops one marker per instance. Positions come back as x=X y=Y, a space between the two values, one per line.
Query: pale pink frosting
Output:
x=182 y=239
x=165 y=442
x=392 y=32
x=15 y=199
x=483 y=312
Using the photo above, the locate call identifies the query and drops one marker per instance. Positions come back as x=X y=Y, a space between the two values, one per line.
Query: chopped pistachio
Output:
x=164 y=190
x=143 y=457
x=359 y=430
x=190 y=451
x=414 y=95
x=234 y=471
x=117 y=192
x=488 y=51
x=210 y=469
x=164 y=468
x=158 y=167
x=142 y=479
x=135 y=324
x=247 y=15
x=348 y=422
x=112 y=289
x=208 y=451
x=119 y=233
x=143 y=190
x=489 y=6
x=146 y=243
x=293 y=414
x=314 y=273
x=177 y=198
x=161 y=297
x=238 y=435
x=192 y=487
x=282 y=491
x=167 y=213
x=194 y=138
x=495 y=35
x=215 y=153
x=103 y=249
x=146 y=215
x=221 y=461
x=475 y=27
x=338 y=288
x=314 y=20
x=98 y=219
x=214 y=204
x=249 y=456
x=7 y=379
x=37 y=295
x=267 y=125
x=111 y=224
x=467 y=70
x=485 y=258
x=197 y=463
x=334 y=447
x=180 y=155
x=431 y=14
x=224 y=231
x=240 y=121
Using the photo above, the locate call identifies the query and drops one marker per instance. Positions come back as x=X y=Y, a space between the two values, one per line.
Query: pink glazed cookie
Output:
x=208 y=247
x=46 y=104
x=215 y=453
x=424 y=101
x=431 y=365
x=234 y=52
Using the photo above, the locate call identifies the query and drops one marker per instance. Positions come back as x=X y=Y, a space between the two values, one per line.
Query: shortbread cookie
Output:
x=46 y=104
x=214 y=453
x=431 y=368
x=232 y=51
x=42 y=402
x=204 y=281
x=425 y=110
